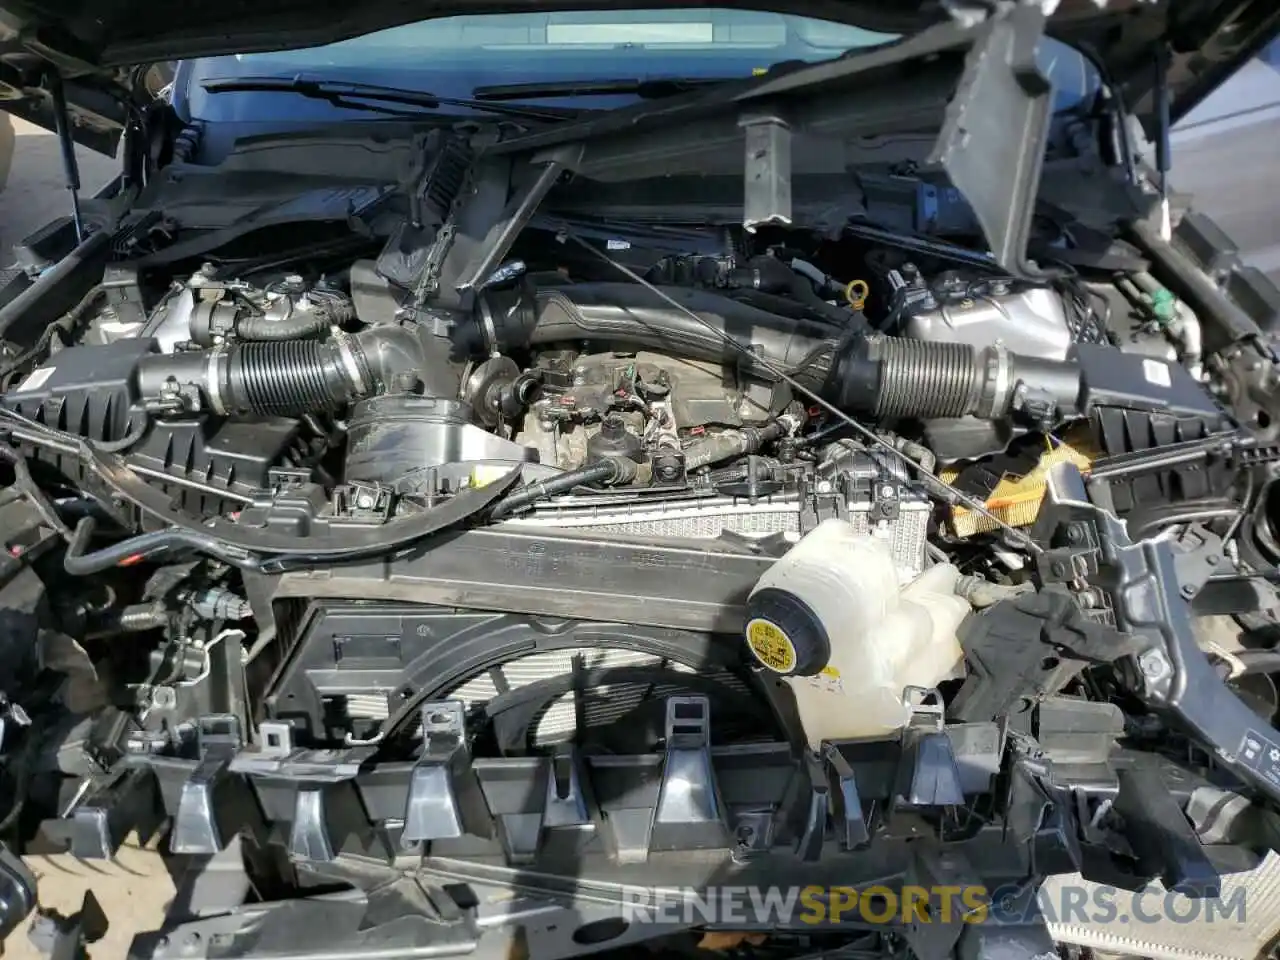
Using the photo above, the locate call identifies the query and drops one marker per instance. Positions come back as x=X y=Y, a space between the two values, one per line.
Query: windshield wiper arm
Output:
x=653 y=88
x=348 y=94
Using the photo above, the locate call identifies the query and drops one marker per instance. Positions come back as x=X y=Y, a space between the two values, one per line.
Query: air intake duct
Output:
x=628 y=314
x=292 y=378
x=893 y=378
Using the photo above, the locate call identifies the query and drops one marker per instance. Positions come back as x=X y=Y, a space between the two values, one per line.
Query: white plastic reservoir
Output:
x=832 y=619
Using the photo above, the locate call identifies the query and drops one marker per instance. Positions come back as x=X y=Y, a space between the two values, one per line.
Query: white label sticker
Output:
x=36 y=380
x=829 y=680
x=1157 y=373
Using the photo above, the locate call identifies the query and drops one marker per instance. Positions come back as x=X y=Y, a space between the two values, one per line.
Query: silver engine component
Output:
x=1029 y=322
x=657 y=395
x=207 y=311
x=871 y=490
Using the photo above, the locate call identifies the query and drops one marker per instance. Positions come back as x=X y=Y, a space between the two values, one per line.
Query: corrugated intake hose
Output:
x=928 y=379
x=884 y=377
x=893 y=378
x=296 y=377
x=293 y=377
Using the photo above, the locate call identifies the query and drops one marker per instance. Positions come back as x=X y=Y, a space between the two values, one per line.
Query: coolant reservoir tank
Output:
x=831 y=618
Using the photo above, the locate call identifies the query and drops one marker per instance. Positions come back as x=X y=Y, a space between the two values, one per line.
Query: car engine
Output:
x=607 y=557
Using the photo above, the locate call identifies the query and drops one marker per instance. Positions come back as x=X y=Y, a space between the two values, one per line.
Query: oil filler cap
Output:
x=785 y=635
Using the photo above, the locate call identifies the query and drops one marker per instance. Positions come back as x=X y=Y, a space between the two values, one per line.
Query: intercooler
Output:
x=1168 y=925
x=711 y=517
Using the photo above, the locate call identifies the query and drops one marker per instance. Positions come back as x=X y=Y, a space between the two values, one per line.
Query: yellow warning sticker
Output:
x=771 y=646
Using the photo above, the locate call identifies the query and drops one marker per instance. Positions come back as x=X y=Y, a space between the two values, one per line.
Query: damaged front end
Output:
x=427 y=598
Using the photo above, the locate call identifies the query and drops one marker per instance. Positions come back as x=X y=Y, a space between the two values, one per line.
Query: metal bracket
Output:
x=767 y=171
x=275 y=755
x=445 y=800
x=1199 y=557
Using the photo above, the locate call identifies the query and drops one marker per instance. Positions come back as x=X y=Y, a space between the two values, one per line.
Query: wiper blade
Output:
x=349 y=95
x=646 y=88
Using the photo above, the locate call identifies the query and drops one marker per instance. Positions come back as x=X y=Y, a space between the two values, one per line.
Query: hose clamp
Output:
x=998 y=381
x=487 y=326
x=218 y=360
x=349 y=362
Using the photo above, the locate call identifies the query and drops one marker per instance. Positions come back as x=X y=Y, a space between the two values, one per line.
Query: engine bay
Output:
x=467 y=539
x=665 y=398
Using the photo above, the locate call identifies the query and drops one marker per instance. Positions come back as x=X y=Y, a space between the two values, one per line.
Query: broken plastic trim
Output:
x=993 y=140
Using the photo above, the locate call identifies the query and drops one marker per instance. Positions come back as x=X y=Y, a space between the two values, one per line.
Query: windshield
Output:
x=452 y=56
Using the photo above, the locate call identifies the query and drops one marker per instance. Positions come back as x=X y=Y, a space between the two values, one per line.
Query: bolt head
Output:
x=163 y=698
x=1153 y=665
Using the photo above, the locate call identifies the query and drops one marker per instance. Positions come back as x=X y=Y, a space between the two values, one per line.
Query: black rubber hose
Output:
x=310 y=318
x=602 y=471
x=731 y=443
x=26 y=485
x=78 y=563
x=302 y=325
x=770 y=275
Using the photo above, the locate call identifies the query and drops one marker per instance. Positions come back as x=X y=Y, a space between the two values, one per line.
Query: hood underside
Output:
x=96 y=45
